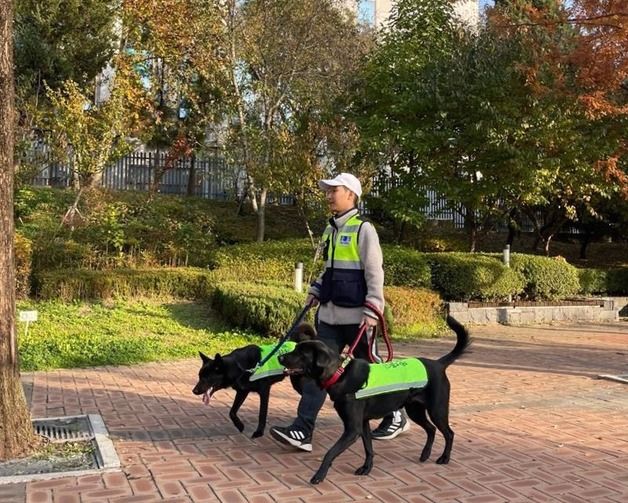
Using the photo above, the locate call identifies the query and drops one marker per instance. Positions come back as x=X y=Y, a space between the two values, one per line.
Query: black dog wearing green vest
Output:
x=365 y=391
x=233 y=370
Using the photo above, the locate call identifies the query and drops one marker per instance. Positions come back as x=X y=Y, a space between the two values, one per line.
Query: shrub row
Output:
x=455 y=276
x=87 y=284
x=597 y=281
x=270 y=310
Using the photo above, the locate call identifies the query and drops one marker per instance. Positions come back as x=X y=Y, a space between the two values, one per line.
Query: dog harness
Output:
x=343 y=280
x=397 y=375
x=271 y=366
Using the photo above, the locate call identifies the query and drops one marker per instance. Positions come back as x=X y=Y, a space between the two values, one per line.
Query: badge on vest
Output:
x=345 y=240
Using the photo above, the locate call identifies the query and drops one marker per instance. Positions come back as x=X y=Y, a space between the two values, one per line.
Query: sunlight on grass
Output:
x=122 y=332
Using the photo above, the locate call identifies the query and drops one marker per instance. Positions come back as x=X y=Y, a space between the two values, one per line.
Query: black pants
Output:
x=313 y=397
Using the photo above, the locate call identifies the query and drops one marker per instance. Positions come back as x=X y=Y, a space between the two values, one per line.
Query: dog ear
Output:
x=218 y=359
x=206 y=359
x=304 y=332
x=322 y=358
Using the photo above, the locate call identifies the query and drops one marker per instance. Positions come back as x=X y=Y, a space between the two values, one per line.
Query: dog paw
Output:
x=239 y=425
x=364 y=470
x=424 y=456
x=317 y=479
x=257 y=434
x=443 y=460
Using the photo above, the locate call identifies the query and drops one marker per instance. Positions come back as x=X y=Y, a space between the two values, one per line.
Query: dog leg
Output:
x=366 y=468
x=416 y=412
x=440 y=417
x=233 y=413
x=344 y=442
x=264 y=395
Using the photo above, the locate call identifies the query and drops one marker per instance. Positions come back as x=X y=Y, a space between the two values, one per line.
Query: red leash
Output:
x=349 y=355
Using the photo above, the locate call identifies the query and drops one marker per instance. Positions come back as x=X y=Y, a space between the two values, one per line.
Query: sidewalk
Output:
x=532 y=423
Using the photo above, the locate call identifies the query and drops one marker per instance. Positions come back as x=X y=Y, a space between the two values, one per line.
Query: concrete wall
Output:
x=526 y=315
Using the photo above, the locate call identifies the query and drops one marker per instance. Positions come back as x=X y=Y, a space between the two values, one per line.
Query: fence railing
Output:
x=213 y=178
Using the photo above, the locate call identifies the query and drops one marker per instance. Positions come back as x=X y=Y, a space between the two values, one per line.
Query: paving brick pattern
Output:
x=532 y=423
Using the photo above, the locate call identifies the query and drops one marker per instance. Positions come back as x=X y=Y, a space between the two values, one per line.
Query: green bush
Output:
x=115 y=229
x=23 y=254
x=263 y=262
x=617 y=281
x=268 y=310
x=465 y=276
x=546 y=277
x=85 y=284
x=592 y=281
x=405 y=267
x=600 y=281
x=415 y=312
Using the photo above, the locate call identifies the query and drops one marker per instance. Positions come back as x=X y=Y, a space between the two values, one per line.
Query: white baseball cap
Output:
x=343 y=179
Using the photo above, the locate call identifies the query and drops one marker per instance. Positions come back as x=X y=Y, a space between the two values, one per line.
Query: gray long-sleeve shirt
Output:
x=373 y=263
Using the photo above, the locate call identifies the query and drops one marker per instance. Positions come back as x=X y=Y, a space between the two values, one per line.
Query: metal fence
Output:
x=214 y=178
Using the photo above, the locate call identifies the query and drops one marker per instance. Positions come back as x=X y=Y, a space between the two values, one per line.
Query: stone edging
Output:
x=607 y=311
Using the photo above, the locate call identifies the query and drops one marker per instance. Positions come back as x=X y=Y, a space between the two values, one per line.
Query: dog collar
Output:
x=339 y=371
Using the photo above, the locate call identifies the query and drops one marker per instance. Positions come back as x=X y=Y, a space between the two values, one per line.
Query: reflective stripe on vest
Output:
x=344 y=252
x=397 y=375
x=272 y=367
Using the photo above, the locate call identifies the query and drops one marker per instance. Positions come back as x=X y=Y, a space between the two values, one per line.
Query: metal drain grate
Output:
x=64 y=429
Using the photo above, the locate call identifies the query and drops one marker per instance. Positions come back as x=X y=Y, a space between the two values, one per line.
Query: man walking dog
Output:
x=353 y=276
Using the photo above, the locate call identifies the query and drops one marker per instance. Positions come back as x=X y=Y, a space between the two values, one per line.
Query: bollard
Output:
x=298 y=277
x=506 y=256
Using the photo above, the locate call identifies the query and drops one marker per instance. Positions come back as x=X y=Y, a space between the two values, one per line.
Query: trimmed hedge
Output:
x=464 y=276
x=546 y=277
x=415 y=312
x=599 y=281
x=266 y=309
x=264 y=262
x=406 y=267
x=85 y=284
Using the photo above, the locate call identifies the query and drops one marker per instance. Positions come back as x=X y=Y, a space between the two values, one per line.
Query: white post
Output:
x=506 y=257
x=298 y=276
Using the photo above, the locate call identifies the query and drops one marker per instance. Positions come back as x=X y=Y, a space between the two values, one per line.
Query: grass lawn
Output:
x=122 y=332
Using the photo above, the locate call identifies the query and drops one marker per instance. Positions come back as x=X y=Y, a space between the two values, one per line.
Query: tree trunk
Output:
x=16 y=431
x=584 y=243
x=192 y=176
x=513 y=227
x=261 y=216
x=471 y=226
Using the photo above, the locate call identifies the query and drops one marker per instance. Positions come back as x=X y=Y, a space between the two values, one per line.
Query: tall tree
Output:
x=287 y=60
x=16 y=431
x=181 y=60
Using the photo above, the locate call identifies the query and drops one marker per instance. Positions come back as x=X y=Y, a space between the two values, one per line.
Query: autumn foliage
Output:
x=578 y=51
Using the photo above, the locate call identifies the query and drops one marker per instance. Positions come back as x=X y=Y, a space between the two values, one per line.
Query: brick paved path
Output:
x=532 y=423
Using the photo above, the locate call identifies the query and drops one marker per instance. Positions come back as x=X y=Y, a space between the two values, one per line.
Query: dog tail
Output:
x=462 y=343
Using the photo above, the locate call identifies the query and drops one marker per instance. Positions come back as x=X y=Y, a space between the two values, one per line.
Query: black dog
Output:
x=316 y=360
x=232 y=371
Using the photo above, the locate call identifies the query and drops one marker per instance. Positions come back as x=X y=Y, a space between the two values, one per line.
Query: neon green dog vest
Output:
x=397 y=375
x=272 y=367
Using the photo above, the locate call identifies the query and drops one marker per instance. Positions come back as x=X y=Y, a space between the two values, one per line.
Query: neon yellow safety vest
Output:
x=272 y=367
x=397 y=375
x=343 y=281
